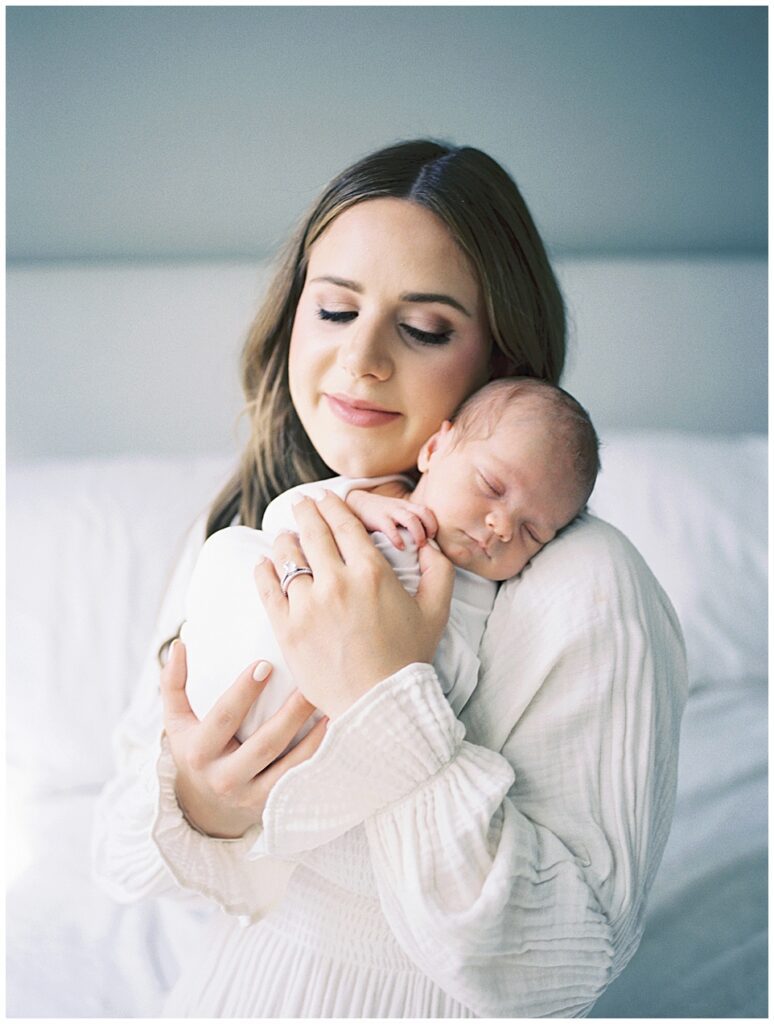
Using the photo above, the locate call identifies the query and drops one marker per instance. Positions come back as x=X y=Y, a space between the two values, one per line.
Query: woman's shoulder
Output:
x=589 y=592
x=589 y=564
x=587 y=615
x=589 y=534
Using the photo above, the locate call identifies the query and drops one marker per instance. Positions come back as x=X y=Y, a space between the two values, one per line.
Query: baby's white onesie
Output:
x=226 y=626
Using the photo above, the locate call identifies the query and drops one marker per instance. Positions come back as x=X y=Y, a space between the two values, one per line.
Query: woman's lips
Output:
x=359 y=415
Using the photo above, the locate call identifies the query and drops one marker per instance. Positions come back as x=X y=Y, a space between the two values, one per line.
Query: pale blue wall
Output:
x=199 y=132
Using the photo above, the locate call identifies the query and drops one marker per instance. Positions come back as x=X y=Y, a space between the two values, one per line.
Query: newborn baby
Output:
x=515 y=466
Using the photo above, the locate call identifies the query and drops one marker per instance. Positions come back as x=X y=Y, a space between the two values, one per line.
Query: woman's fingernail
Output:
x=261 y=671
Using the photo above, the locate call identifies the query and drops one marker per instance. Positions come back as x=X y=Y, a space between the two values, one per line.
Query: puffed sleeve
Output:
x=514 y=850
x=141 y=843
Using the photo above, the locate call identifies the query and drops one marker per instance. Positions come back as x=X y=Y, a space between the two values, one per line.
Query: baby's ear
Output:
x=432 y=445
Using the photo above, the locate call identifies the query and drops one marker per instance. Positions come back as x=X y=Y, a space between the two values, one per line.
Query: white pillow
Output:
x=90 y=546
x=696 y=508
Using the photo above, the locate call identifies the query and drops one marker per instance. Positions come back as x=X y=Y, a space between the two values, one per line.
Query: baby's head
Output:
x=517 y=463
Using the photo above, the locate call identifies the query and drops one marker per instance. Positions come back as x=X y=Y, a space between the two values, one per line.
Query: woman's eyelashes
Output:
x=337 y=316
x=427 y=337
x=424 y=337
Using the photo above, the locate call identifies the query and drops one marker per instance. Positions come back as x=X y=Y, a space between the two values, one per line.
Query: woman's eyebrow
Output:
x=434 y=297
x=342 y=281
x=407 y=297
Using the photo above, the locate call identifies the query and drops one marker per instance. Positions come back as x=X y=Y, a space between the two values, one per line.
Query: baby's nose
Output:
x=500 y=525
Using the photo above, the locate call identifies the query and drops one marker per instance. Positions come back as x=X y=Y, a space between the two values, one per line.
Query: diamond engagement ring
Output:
x=289 y=572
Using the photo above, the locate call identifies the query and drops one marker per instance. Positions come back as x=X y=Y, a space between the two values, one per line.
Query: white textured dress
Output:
x=493 y=866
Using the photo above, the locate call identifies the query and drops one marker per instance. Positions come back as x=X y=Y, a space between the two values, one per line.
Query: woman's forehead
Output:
x=393 y=239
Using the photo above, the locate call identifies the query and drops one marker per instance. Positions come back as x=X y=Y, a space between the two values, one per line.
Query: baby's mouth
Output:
x=479 y=545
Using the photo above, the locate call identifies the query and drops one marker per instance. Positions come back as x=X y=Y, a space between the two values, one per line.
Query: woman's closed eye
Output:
x=427 y=337
x=424 y=337
x=337 y=316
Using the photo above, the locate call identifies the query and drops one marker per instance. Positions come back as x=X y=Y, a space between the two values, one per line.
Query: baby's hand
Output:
x=377 y=512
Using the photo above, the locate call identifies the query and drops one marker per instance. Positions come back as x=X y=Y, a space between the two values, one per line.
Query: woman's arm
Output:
x=142 y=844
x=513 y=866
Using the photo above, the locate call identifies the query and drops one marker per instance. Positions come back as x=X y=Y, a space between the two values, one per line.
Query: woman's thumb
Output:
x=176 y=709
x=435 y=583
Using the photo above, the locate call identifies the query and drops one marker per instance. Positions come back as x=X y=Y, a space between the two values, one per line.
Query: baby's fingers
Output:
x=390 y=528
x=415 y=527
x=428 y=519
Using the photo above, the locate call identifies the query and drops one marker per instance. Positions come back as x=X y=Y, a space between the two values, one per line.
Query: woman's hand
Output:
x=222 y=785
x=352 y=624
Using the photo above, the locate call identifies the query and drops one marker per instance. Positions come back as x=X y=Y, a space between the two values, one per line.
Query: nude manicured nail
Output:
x=261 y=671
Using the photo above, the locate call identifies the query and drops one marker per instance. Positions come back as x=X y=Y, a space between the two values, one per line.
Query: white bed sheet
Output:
x=72 y=951
x=705 y=948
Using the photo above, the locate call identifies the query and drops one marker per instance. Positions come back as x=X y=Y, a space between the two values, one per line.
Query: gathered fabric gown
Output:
x=424 y=864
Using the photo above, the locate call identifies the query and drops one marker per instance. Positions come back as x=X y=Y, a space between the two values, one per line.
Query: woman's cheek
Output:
x=460 y=378
x=306 y=361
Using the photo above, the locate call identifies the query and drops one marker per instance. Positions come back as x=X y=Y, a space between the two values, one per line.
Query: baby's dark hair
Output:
x=571 y=425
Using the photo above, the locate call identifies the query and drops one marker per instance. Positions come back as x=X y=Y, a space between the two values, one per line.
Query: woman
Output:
x=503 y=874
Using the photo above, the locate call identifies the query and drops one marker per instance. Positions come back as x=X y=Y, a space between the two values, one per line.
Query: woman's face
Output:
x=389 y=336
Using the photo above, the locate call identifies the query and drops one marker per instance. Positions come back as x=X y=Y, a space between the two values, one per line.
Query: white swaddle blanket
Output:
x=226 y=627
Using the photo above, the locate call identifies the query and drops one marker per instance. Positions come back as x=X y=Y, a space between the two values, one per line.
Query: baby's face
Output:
x=497 y=500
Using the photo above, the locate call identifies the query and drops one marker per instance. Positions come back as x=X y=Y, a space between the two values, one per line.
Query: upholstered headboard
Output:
x=142 y=358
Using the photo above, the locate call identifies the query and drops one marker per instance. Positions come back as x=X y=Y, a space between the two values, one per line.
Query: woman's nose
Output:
x=499 y=523
x=366 y=352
